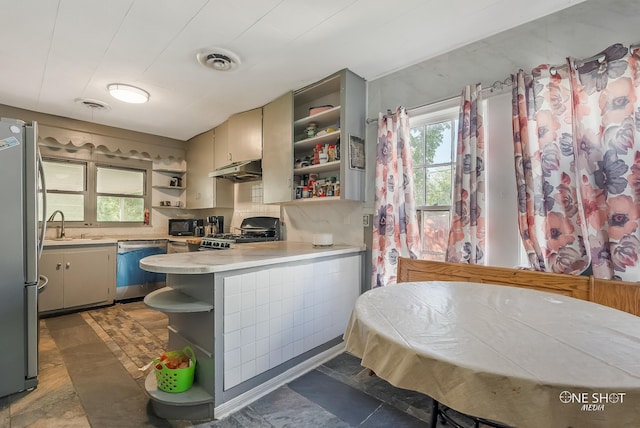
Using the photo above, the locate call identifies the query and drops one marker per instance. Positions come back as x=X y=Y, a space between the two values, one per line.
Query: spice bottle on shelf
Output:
x=323 y=157
x=336 y=188
x=316 y=154
x=330 y=190
x=332 y=153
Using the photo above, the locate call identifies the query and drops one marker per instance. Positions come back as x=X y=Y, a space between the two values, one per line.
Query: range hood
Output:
x=240 y=172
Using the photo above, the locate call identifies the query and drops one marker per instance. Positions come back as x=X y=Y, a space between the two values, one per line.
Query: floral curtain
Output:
x=577 y=157
x=606 y=93
x=467 y=233
x=395 y=231
x=548 y=209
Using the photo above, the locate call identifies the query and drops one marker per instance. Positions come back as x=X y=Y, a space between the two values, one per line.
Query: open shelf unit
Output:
x=345 y=92
x=164 y=191
x=287 y=145
x=169 y=300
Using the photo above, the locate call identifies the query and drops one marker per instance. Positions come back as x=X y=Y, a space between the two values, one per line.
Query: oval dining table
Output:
x=519 y=357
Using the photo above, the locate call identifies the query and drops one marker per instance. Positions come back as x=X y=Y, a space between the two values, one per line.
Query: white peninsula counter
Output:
x=256 y=315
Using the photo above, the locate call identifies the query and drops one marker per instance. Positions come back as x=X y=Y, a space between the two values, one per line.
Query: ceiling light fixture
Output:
x=128 y=93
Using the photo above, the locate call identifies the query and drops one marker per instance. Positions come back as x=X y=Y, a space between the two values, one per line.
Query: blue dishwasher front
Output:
x=131 y=281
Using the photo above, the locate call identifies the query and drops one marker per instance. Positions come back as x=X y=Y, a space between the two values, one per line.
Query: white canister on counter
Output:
x=322 y=239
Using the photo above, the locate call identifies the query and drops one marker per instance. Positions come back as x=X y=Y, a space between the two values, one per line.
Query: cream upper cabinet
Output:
x=245 y=136
x=277 y=156
x=221 y=145
x=203 y=191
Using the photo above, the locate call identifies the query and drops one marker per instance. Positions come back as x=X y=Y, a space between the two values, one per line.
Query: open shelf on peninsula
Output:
x=169 y=300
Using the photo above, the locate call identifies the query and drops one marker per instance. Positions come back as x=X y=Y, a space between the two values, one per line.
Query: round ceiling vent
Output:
x=93 y=104
x=218 y=59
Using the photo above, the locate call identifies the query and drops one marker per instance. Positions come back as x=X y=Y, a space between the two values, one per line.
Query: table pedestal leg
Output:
x=434 y=413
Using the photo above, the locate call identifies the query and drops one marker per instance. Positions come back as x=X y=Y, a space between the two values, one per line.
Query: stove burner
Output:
x=212 y=244
x=254 y=229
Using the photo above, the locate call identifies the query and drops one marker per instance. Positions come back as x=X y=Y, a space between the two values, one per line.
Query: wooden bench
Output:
x=621 y=295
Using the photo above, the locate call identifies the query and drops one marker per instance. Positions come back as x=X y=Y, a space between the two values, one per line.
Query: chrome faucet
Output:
x=62 y=235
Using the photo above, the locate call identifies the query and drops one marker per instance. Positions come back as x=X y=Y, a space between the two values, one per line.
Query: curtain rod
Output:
x=498 y=85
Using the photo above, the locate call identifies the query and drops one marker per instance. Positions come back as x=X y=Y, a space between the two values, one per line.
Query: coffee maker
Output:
x=216 y=224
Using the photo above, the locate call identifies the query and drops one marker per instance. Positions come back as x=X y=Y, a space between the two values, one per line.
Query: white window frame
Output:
x=436 y=113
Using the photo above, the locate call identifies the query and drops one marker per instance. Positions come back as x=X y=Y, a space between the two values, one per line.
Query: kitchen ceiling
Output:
x=54 y=52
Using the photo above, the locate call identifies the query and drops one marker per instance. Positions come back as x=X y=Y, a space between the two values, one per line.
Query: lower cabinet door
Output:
x=50 y=297
x=86 y=277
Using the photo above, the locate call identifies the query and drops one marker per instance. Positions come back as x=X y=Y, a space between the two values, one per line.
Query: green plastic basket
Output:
x=175 y=380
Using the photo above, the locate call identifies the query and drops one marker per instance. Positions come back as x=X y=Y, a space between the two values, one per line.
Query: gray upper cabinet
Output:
x=221 y=146
x=205 y=192
x=277 y=156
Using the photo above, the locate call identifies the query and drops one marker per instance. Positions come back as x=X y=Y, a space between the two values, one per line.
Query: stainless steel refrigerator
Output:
x=21 y=238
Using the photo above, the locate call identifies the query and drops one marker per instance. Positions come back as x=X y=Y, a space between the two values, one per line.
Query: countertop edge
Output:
x=159 y=263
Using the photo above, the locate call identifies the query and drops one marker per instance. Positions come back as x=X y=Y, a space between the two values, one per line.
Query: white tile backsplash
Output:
x=262 y=296
x=262 y=313
x=262 y=347
x=248 y=352
x=316 y=309
x=232 y=303
x=233 y=340
x=248 y=334
x=248 y=318
x=248 y=369
x=248 y=282
x=232 y=322
x=262 y=363
x=248 y=299
x=249 y=202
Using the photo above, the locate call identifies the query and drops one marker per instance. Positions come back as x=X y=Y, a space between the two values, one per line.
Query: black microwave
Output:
x=186 y=226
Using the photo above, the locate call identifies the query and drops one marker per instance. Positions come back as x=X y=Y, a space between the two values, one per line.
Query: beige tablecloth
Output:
x=522 y=357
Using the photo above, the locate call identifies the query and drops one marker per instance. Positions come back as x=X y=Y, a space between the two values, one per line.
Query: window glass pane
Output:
x=72 y=205
x=113 y=208
x=438 y=143
x=417 y=146
x=438 y=185
x=119 y=181
x=435 y=230
x=419 y=187
x=65 y=176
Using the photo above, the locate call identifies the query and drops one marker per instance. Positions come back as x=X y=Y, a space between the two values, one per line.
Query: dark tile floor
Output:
x=89 y=377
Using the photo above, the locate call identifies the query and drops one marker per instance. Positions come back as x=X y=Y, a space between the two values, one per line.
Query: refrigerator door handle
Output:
x=43 y=282
x=43 y=189
x=31 y=168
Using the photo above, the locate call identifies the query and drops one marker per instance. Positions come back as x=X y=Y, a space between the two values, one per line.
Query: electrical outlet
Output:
x=365 y=220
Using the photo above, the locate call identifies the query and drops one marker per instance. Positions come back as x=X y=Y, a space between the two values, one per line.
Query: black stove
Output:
x=252 y=229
